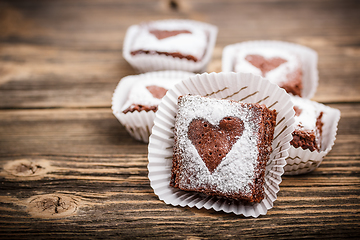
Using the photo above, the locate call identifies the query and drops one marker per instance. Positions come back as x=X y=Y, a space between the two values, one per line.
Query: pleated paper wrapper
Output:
x=302 y=161
x=236 y=86
x=308 y=57
x=146 y=62
x=139 y=124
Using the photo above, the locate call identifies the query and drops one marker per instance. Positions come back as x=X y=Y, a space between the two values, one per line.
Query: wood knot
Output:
x=173 y=4
x=52 y=206
x=26 y=168
x=176 y=6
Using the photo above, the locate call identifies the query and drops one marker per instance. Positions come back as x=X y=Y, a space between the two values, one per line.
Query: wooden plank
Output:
x=97 y=131
x=65 y=131
x=107 y=180
x=113 y=196
x=114 y=192
x=64 y=155
x=61 y=55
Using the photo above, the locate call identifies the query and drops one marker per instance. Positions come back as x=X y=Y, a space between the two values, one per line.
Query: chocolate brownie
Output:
x=308 y=125
x=221 y=147
x=278 y=65
x=174 y=39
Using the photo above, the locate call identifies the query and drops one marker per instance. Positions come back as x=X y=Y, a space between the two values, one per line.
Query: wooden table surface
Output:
x=68 y=169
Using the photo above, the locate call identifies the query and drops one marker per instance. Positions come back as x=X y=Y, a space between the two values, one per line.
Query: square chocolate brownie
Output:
x=221 y=147
x=308 y=125
x=278 y=65
x=178 y=39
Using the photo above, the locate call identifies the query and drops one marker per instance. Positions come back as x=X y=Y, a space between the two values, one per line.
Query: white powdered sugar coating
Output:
x=187 y=44
x=236 y=171
x=309 y=113
x=277 y=75
x=139 y=94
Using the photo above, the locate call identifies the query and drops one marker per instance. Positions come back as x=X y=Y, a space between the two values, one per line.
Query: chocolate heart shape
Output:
x=156 y=91
x=161 y=34
x=213 y=143
x=265 y=65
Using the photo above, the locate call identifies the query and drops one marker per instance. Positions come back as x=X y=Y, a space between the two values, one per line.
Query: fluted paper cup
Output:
x=308 y=57
x=235 y=86
x=154 y=62
x=139 y=124
x=302 y=161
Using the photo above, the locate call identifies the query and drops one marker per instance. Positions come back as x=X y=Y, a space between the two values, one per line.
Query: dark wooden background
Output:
x=68 y=169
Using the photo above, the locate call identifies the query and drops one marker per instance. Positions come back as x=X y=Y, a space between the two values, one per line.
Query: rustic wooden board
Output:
x=97 y=131
x=87 y=156
x=61 y=53
x=68 y=169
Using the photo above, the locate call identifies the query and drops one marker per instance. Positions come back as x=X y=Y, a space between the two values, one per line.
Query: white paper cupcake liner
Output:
x=309 y=60
x=302 y=161
x=145 y=63
x=139 y=124
x=236 y=86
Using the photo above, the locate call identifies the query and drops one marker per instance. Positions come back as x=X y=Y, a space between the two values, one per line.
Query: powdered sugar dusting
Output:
x=236 y=171
x=139 y=94
x=276 y=75
x=309 y=113
x=187 y=44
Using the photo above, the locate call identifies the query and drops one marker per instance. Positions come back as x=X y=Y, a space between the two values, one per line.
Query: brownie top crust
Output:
x=156 y=91
x=214 y=142
x=147 y=93
x=306 y=114
x=272 y=63
x=161 y=34
x=236 y=160
x=172 y=38
x=265 y=65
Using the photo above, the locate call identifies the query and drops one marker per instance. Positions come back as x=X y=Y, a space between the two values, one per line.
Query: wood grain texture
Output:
x=58 y=54
x=68 y=169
